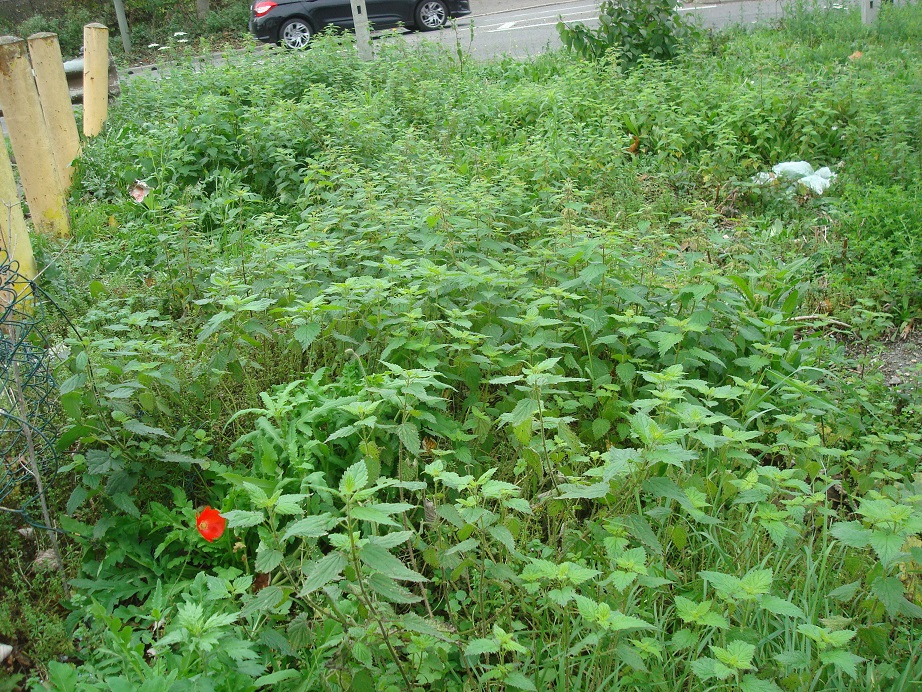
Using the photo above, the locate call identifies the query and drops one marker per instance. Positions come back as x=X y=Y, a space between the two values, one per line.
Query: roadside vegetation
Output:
x=501 y=375
x=155 y=26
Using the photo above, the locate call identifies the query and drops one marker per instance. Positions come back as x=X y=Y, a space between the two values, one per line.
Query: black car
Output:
x=293 y=22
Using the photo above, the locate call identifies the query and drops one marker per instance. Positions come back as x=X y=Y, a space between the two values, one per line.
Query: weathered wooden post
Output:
x=15 y=242
x=29 y=137
x=51 y=81
x=95 y=78
x=362 y=33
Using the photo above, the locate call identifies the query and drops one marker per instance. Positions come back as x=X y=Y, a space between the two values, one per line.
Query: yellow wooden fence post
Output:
x=15 y=242
x=95 y=78
x=51 y=81
x=29 y=137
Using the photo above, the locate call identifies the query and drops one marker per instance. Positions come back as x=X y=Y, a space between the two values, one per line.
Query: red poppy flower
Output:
x=210 y=524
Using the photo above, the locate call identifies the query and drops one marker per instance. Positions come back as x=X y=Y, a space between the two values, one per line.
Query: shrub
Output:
x=634 y=28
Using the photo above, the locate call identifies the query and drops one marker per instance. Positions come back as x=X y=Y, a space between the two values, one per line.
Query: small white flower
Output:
x=153 y=45
x=182 y=40
x=164 y=48
x=178 y=34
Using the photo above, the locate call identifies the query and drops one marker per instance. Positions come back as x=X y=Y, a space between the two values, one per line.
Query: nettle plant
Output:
x=390 y=526
x=472 y=419
x=632 y=29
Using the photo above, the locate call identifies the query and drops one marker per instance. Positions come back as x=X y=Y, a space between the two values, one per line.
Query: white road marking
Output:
x=571 y=15
x=527 y=23
x=541 y=13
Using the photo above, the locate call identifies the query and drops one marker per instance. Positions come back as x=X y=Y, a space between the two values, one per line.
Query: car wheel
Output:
x=295 y=34
x=431 y=15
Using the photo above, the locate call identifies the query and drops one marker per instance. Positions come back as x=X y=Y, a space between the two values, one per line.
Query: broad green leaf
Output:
x=393 y=539
x=707 y=668
x=890 y=592
x=587 y=607
x=546 y=364
x=390 y=508
x=539 y=569
x=372 y=515
x=838 y=638
x=851 y=533
x=699 y=613
x=780 y=606
x=726 y=585
x=137 y=427
x=267 y=559
x=887 y=544
x=665 y=341
x=519 y=504
x=756 y=582
x=321 y=572
x=750 y=683
x=77 y=498
x=213 y=325
x=269 y=598
x=463 y=546
x=176 y=458
x=626 y=372
x=737 y=654
x=503 y=536
x=525 y=410
x=306 y=333
x=380 y=560
x=798 y=660
x=238 y=518
x=846 y=592
x=683 y=639
x=640 y=529
x=390 y=590
x=618 y=621
x=310 y=527
x=430 y=628
x=354 y=479
x=408 y=434
x=576 y=574
x=812 y=631
x=124 y=502
x=519 y=681
x=277 y=677
x=842 y=660
x=665 y=487
x=630 y=656
x=584 y=492
x=506 y=379
x=289 y=504
x=600 y=428
x=478 y=647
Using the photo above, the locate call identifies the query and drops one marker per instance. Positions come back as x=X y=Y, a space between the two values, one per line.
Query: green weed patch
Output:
x=502 y=375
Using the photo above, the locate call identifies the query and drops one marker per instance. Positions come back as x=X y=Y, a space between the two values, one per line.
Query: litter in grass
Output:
x=799 y=175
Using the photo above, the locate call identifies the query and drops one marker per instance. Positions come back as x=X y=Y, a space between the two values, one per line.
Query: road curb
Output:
x=691 y=3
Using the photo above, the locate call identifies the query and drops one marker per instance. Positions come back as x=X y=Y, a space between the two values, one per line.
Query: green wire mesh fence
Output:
x=28 y=398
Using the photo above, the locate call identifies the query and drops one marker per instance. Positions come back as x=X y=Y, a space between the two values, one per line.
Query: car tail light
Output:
x=263 y=6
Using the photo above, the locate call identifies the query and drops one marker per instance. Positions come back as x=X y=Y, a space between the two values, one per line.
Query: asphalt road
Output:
x=495 y=29
x=527 y=27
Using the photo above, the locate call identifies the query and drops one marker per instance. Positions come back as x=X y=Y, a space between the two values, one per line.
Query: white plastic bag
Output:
x=816 y=183
x=793 y=170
